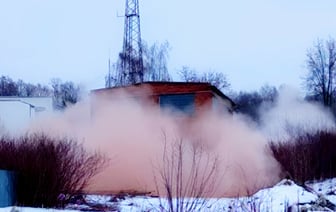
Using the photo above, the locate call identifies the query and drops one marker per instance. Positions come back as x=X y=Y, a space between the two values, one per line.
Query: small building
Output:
x=17 y=112
x=186 y=97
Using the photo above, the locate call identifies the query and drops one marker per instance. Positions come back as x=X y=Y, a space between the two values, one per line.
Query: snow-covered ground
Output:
x=316 y=196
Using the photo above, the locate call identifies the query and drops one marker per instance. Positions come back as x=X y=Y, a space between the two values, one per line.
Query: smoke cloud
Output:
x=293 y=116
x=133 y=135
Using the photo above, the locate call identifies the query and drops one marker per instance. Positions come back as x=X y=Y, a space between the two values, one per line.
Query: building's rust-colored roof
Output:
x=158 y=88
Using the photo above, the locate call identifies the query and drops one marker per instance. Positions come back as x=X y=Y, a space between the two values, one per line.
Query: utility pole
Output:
x=132 y=69
x=109 y=84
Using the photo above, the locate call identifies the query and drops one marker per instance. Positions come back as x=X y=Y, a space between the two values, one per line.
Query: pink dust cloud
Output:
x=131 y=135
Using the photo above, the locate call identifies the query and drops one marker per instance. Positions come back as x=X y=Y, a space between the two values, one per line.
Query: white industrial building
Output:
x=17 y=112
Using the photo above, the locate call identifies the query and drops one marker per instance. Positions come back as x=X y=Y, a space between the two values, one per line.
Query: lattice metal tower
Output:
x=132 y=69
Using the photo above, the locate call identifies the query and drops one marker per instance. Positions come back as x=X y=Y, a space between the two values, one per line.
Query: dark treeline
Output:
x=63 y=93
x=250 y=103
x=9 y=87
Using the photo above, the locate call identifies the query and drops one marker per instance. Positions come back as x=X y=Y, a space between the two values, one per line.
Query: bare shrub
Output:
x=50 y=171
x=188 y=176
x=246 y=204
x=307 y=157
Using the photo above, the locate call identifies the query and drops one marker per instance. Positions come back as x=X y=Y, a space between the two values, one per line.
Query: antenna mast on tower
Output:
x=132 y=69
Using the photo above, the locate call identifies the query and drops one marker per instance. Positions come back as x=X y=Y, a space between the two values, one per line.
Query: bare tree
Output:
x=155 y=58
x=268 y=93
x=42 y=90
x=320 y=81
x=250 y=103
x=8 y=87
x=29 y=89
x=32 y=90
x=217 y=79
x=64 y=93
x=188 y=74
x=155 y=62
x=188 y=176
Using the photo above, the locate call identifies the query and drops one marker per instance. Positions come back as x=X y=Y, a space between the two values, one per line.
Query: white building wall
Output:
x=17 y=112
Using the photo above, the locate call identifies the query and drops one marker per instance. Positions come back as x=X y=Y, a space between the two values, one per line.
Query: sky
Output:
x=252 y=42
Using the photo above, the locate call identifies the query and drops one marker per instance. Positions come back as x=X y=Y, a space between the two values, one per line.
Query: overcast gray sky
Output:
x=252 y=42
